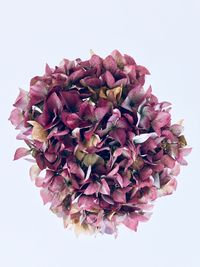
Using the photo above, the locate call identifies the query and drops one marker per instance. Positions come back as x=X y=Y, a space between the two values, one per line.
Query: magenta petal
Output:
x=87 y=202
x=71 y=120
x=110 y=64
x=48 y=70
x=71 y=99
x=76 y=169
x=21 y=152
x=96 y=62
x=119 y=196
x=162 y=119
x=129 y=60
x=109 y=79
x=131 y=220
x=38 y=91
x=91 y=82
x=107 y=199
x=176 y=129
x=168 y=161
x=145 y=173
x=131 y=223
x=92 y=188
x=77 y=75
x=119 y=134
x=22 y=100
x=119 y=179
x=142 y=70
x=120 y=60
x=104 y=189
x=54 y=102
x=100 y=112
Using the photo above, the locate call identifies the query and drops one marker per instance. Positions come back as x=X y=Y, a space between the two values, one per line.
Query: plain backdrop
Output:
x=161 y=35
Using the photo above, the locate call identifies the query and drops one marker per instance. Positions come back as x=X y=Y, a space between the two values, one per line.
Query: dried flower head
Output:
x=106 y=144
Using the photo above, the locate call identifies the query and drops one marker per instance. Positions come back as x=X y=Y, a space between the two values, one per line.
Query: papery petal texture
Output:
x=103 y=146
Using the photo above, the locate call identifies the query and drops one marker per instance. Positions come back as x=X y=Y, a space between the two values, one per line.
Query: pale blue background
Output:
x=163 y=36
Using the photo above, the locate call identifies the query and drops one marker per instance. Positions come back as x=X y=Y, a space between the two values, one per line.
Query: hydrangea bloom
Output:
x=106 y=145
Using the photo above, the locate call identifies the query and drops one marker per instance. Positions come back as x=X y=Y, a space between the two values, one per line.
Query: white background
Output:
x=163 y=36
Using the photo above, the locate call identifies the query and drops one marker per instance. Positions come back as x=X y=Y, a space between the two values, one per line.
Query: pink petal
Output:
x=107 y=199
x=168 y=161
x=119 y=196
x=168 y=188
x=34 y=172
x=109 y=79
x=21 y=152
x=161 y=120
x=120 y=60
x=16 y=117
x=176 y=129
x=104 y=189
x=145 y=173
x=119 y=179
x=119 y=134
x=46 y=195
x=91 y=82
x=77 y=75
x=22 y=100
x=110 y=64
x=131 y=220
x=91 y=189
x=38 y=91
x=70 y=119
x=96 y=62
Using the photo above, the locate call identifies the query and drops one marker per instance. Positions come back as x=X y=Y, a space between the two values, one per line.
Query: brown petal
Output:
x=115 y=92
x=38 y=132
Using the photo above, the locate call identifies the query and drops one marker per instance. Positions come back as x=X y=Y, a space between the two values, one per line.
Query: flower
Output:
x=106 y=145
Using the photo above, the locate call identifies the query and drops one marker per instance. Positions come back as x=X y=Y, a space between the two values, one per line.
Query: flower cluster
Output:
x=106 y=145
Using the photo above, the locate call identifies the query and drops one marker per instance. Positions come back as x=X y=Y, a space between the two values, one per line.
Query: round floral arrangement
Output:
x=106 y=145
